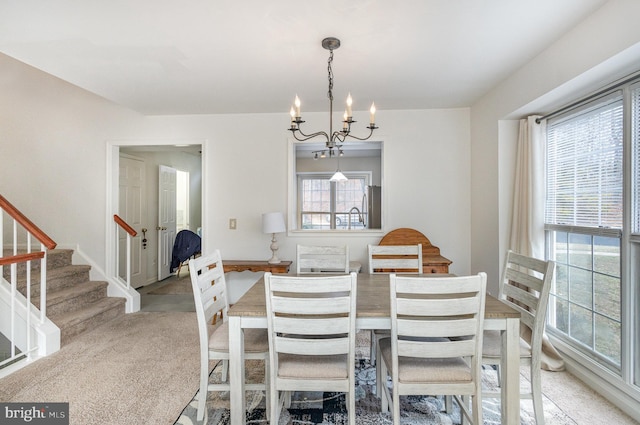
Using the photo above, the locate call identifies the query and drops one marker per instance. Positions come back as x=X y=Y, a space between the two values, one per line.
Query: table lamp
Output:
x=273 y=223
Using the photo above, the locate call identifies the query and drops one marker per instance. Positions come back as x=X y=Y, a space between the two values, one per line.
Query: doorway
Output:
x=188 y=160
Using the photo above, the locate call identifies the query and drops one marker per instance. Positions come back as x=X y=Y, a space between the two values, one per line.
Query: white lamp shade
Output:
x=273 y=222
x=338 y=177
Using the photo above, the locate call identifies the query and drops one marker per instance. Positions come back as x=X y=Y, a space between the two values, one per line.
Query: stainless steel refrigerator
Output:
x=373 y=197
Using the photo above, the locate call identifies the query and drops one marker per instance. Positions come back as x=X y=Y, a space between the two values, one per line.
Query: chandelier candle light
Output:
x=334 y=139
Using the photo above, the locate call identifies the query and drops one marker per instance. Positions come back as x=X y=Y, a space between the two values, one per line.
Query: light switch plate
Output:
x=232 y=223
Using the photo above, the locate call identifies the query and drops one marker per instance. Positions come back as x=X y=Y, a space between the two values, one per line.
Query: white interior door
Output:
x=132 y=196
x=166 y=219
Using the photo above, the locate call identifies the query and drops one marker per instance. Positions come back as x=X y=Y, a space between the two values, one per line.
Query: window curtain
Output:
x=527 y=218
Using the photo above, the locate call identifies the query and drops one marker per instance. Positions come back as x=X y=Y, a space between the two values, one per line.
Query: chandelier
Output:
x=333 y=139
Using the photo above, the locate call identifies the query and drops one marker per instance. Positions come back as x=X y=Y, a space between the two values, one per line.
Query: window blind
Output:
x=584 y=165
x=635 y=160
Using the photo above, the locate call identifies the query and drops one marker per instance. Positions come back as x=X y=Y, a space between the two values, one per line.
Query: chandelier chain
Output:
x=330 y=73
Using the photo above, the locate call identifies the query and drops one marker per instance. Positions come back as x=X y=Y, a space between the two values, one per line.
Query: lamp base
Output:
x=274 y=260
x=274 y=248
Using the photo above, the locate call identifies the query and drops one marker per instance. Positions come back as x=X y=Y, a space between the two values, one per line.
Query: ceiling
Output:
x=254 y=56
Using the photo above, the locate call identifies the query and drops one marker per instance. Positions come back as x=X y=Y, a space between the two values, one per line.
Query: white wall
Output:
x=53 y=147
x=52 y=153
x=601 y=49
x=426 y=179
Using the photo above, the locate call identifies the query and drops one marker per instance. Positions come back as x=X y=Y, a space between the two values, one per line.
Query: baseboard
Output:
x=602 y=380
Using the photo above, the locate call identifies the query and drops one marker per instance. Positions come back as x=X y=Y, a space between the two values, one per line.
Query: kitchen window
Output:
x=332 y=205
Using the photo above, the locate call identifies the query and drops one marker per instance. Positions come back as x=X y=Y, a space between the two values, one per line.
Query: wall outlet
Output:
x=232 y=223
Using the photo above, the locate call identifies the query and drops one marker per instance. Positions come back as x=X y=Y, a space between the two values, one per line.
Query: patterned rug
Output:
x=315 y=408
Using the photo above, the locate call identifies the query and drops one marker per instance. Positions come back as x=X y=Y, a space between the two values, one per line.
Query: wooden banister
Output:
x=21 y=258
x=130 y=230
x=34 y=230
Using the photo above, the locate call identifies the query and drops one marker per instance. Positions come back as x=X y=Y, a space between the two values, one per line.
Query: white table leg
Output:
x=236 y=371
x=510 y=372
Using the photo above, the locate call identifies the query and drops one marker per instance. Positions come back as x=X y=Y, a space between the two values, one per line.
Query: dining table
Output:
x=373 y=311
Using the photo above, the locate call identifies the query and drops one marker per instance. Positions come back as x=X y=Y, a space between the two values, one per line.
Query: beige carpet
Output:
x=172 y=285
x=576 y=399
x=141 y=368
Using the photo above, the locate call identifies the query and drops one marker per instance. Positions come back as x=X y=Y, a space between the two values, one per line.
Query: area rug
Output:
x=315 y=408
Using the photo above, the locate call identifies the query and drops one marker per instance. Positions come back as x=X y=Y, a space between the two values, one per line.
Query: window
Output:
x=584 y=222
x=584 y=167
x=635 y=162
x=329 y=205
x=634 y=252
x=318 y=206
x=585 y=299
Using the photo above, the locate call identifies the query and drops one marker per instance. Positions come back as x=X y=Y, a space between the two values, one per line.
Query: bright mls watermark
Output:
x=34 y=413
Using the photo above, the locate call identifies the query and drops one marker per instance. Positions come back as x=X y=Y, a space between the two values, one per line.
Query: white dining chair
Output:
x=320 y=259
x=396 y=259
x=525 y=286
x=436 y=341
x=210 y=296
x=312 y=324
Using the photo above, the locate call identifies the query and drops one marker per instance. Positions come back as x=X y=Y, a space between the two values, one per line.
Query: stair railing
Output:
x=121 y=224
x=32 y=231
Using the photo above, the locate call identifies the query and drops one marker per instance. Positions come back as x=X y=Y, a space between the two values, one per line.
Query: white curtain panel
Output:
x=527 y=219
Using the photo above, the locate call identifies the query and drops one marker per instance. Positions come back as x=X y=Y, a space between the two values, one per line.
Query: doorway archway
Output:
x=183 y=155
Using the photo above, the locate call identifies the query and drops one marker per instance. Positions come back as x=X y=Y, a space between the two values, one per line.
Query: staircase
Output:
x=75 y=303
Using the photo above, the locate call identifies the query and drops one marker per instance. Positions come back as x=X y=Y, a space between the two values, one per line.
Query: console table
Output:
x=255 y=266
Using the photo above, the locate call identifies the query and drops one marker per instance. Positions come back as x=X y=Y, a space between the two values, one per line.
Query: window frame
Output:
x=302 y=176
x=586 y=349
x=629 y=370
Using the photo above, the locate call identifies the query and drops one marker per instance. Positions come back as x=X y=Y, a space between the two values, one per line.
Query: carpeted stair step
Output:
x=74 y=302
x=89 y=317
x=71 y=298
x=57 y=279
x=56 y=258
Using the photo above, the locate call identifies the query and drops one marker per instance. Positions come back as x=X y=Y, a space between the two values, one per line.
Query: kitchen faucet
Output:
x=360 y=219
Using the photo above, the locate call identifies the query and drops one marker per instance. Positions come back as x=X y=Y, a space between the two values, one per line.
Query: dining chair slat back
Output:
x=311 y=323
x=212 y=288
x=436 y=340
x=392 y=258
x=395 y=258
x=525 y=286
x=210 y=295
x=321 y=259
